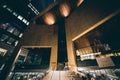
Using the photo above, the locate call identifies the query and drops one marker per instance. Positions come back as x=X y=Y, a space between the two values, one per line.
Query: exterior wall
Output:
x=7 y=47
x=83 y=19
x=42 y=36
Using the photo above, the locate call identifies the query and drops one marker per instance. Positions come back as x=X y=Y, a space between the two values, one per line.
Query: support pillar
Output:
x=62 y=47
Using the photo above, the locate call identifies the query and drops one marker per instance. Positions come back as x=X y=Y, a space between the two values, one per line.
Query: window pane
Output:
x=2 y=51
x=3 y=26
x=10 y=29
x=3 y=37
x=16 y=42
x=10 y=41
x=21 y=34
x=16 y=32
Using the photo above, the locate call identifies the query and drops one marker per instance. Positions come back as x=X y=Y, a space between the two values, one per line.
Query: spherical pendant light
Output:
x=64 y=9
x=49 y=18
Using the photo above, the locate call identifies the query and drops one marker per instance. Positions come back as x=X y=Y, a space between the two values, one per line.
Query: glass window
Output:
x=24 y=20
x=27 y=23
x=10 y=29
x=4 y=37
x=16 y=32
x=15 y=14
x=4 y=6
x=21 y=34
x=10 y=41
x=2 y=66
x=21 y=57
x=20 y=17
x=2 y=51
x=16 y=42
x=3 y=26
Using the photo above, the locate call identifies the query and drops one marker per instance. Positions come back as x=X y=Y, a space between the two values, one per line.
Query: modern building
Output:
x=59 y=39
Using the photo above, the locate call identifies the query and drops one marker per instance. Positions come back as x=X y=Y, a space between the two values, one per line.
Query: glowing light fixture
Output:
x=79 y=2
x=49 y=18
x=64 y=9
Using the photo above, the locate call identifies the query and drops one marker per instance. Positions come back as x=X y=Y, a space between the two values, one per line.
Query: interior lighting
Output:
x=49 y=18
x=79 y=2
x=64 y=9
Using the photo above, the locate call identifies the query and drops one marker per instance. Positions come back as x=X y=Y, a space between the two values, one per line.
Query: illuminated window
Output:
x=16 y=42
x=4 y=6
x=9 y=9
x=10 y=29
x=21 y=35
x=25 y=21
x=20 y=17
x=89 y=56
x=2 y=51
x=33 y=8
x=15 y=14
